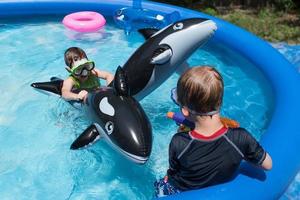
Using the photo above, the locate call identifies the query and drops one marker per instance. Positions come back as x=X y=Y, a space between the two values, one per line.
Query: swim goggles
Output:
x=82 y=67
x=174 y=97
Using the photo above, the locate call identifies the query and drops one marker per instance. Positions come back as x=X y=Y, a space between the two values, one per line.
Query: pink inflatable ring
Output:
x=85 y=21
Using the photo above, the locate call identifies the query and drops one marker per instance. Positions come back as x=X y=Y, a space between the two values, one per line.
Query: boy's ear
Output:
x=68 y=69
x=185 y=111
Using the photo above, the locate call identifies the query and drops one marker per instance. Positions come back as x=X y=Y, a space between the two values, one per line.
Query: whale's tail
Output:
x=53 y=86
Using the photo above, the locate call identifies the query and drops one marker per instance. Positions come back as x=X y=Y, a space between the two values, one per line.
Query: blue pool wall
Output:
x=282 y=138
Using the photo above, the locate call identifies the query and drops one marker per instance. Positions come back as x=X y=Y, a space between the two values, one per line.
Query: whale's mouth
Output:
x=135 y=158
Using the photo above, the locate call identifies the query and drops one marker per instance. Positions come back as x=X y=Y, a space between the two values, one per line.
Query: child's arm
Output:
x=67 y=94
x=254 y=152
x=267 y=163
x=104 y=75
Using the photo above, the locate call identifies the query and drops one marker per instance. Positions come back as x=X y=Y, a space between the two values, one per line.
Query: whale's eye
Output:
x=178 y=26
x=109 y=126
x=119 y=12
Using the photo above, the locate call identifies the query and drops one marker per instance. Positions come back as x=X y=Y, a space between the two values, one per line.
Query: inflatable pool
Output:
x=282 y=138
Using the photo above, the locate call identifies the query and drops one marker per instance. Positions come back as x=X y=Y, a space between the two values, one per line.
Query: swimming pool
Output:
x=36 y=130
x=284 y=96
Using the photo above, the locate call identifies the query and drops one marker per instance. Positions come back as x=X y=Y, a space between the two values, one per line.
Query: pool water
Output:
x=36 y=130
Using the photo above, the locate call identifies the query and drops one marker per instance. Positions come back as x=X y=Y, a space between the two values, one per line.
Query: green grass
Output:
x=273 y=26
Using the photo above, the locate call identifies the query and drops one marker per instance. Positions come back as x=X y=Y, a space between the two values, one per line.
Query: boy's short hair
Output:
x=73 y=54
x=201 y=89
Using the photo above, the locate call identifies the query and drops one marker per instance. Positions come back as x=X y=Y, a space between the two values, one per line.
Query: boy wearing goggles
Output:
x=211 y=153
x=83 y=75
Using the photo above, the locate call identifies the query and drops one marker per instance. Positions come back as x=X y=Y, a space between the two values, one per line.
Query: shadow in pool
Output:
x=251 y=171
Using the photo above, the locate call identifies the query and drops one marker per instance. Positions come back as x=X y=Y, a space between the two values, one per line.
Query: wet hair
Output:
x=200 y=89
x=73 y=54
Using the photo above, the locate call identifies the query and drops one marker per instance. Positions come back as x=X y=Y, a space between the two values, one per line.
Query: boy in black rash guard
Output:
x=211 y=153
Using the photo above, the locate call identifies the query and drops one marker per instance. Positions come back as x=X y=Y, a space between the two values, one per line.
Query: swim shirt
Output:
x=197 y=161
x=91 y=83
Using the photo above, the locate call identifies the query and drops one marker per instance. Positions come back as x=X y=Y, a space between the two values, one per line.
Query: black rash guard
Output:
x=197 y=161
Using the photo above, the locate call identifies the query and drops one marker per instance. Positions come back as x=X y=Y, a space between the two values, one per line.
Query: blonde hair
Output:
x=200 y=89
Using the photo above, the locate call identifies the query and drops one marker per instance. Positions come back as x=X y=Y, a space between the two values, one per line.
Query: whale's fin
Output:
x=120 y=82
x=51 y=86
x=89 y=136
x=147 y=32
x=162 y=55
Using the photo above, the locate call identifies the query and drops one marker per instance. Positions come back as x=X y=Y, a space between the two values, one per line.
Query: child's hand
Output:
x=82 y=95
x=183 y=128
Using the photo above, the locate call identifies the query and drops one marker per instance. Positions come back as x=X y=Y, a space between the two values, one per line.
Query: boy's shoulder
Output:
x=182 y=134
x=235 y=131
x=69 y=80
x=240 y=136
x=181 y=137
x=238 y=130
x=180 y=140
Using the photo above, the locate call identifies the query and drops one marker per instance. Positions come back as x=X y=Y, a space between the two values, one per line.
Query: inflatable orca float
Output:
x=164 y=52
x=134 y=18
x=115 y=116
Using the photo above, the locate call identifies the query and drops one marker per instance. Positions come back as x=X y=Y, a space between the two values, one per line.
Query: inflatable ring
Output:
x=85 y=21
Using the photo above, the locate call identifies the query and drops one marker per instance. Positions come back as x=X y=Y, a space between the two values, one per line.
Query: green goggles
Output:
x=82 y=68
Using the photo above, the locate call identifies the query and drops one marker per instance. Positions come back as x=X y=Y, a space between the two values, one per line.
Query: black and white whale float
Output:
x=115 y=116
x=114 y=113
x=164 y=52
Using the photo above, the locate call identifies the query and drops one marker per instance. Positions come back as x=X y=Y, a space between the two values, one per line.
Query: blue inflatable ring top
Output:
x=282 y=139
